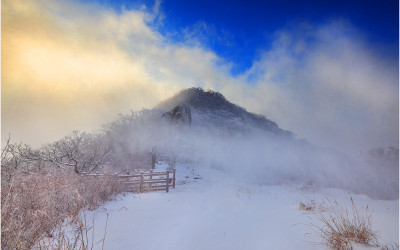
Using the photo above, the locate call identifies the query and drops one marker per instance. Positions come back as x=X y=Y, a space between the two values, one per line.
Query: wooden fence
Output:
x=143 y=182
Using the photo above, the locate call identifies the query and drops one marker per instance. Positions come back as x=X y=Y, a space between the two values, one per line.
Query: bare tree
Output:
x=79 y=151
x=12 y=161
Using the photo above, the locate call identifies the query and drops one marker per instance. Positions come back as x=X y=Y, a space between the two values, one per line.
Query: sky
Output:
x=326 y=70
x=238 y=30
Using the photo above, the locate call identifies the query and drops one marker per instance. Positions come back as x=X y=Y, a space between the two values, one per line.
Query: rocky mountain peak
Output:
x=197 y=98
x=212 y=108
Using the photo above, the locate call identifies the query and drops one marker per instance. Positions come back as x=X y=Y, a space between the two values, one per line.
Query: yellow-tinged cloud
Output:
x=66 y=72
x=72 y=66
x=68 y=65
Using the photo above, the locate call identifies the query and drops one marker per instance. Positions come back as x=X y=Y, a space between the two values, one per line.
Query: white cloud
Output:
x=329 y=86
x=69 y=66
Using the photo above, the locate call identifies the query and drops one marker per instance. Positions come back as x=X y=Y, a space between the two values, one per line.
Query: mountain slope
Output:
x=211 y=108
x=224 y=136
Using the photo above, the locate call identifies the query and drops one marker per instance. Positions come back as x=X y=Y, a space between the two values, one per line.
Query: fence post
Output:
x=167 y=182
x=141 y=182
x=151 y=178
x=173 y=181
x=153 y=157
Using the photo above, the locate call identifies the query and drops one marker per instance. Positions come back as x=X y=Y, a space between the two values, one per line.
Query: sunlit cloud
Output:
x=64 y=71
x=69 y=66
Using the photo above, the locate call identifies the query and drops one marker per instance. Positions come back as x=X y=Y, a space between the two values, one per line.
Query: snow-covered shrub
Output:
x=34 y=204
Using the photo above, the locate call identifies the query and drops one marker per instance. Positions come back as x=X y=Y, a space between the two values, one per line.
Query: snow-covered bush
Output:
x=33 y=205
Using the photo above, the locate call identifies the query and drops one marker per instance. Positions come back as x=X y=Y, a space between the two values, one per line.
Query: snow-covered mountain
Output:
x=203 y=127
x=239 y=181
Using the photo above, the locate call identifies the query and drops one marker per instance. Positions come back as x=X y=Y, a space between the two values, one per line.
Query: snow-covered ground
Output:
x=210 y=210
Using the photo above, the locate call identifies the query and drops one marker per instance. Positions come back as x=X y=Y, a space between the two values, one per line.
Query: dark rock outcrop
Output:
x=180 y=115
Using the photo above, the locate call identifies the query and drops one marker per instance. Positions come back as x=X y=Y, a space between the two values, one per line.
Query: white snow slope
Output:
x=219 y=212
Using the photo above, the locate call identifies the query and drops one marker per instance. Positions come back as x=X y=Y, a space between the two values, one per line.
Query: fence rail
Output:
x=143 y=182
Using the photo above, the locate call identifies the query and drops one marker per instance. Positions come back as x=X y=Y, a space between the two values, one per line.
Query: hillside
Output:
x=210 y=108
x=222 y=135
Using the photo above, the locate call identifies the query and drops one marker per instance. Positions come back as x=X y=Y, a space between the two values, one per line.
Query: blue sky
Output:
x=238 y=30
x=325 y=70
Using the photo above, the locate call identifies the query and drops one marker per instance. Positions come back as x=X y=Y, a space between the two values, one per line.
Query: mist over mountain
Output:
x=204 y=128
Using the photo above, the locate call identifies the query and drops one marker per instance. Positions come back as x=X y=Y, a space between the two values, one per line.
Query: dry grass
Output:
x=340 y=226
x=392 y=246
x=35 y=205
x=309 y=206
x=80 y=236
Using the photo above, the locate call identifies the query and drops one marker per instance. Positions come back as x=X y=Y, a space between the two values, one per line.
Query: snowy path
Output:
x=217 y=213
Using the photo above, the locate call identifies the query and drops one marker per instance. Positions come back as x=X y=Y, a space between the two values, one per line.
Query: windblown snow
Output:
x=210 y=210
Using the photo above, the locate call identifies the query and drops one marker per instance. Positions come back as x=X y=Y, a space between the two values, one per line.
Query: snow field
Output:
x=212 y=211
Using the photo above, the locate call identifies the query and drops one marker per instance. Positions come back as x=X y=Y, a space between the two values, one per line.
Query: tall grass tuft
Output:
x=341 y=226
